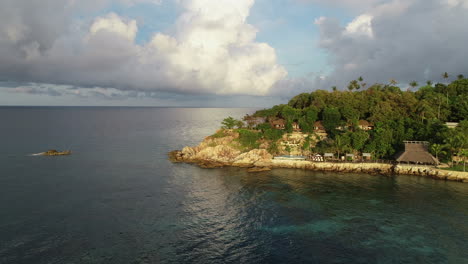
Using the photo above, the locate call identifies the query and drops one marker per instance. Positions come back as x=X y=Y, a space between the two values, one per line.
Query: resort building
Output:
x=367 y=156
x=278 y=124
x=296 y=127
x=318 y=127
x=451 y=124
x=365 y=125
x=416 y=152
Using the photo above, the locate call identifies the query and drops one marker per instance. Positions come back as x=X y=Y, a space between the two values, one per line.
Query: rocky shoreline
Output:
x=222 y=152
x=369 y=168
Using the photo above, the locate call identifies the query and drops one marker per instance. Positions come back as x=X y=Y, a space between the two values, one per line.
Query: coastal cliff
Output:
x=215 y=152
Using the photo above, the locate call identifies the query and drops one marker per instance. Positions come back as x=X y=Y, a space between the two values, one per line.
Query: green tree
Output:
x=300 y=101
x=460 y=76
x=358 y=139
x=413 y=84
x=311 y=115
x=354 y=85
x=272 y=134
x=305 y=126
x=437 y=149
x=445 y=75
x=463 y=154
x=230 y=123
x=291 y=114
x=331 y=118
x=393 y=82
x=288 y=126
x=342 y=144
x=455 y=141
x=350 y=114
x=249 y=139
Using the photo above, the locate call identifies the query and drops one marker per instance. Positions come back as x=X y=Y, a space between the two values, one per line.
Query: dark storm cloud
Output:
x=402 y=40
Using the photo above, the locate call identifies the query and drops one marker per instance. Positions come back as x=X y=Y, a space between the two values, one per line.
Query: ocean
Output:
x=117 y=199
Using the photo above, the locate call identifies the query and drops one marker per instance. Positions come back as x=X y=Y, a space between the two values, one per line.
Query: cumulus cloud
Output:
x=113 y=23
x=402 y=40
x=350 y=5
x=212 y=49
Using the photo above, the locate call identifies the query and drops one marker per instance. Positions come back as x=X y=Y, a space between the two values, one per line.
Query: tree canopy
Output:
x=415 y=114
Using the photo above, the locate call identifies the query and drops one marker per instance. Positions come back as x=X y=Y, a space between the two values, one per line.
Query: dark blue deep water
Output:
x=118 y=199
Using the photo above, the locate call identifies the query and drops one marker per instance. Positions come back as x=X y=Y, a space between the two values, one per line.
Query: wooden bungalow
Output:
x=349 y=156
x=416 y=152
x=365 y=125
x=278 y=124
x=296 y=127
x=318 y=127
x=366 y=156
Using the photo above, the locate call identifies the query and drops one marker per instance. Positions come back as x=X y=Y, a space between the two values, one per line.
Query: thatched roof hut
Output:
x=318 y=126
x=278 y=123
x=416 y=152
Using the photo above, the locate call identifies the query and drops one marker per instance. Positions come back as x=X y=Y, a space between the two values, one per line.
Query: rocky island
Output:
x=53 y=152
x=382 y=130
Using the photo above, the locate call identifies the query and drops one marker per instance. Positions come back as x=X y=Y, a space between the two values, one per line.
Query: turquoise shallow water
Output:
x=118 y=200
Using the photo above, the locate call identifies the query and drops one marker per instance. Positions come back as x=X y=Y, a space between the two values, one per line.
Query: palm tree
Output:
x=454 y=143
x=354 y=85
x=445 y=75
x=440 y=98
x=463 y=153
x=437 y=149
x=429 y=83
x=340 y=145
x=334 y=88
x=460 y=76
x=413 y=84
x=393 y=82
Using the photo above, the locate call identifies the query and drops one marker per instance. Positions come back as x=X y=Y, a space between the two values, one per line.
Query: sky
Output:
x=223 y=53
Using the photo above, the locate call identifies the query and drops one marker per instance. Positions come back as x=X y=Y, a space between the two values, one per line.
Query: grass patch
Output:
x=456 y=168
x=219 y=134
x=248 y=139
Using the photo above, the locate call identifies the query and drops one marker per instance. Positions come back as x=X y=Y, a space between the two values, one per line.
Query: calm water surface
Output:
x=118 y=200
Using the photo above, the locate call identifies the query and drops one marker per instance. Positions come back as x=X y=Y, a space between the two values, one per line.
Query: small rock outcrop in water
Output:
x=54 y=152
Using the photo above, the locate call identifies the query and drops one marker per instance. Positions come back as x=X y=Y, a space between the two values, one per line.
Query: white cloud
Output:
x=360 y=26
x=212 y=49
x=215 y=48
x=349 y=5
x=456 y=3
x=115 y=24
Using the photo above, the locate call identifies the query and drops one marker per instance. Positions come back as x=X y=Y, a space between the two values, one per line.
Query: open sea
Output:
x=118 y=199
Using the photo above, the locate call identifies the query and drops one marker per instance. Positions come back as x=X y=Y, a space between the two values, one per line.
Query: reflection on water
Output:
x=295 y=215
x=118 y=200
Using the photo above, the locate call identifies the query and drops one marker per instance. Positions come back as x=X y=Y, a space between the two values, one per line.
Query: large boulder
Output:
x=188 y=152
x=257 y=157
x=220 y=153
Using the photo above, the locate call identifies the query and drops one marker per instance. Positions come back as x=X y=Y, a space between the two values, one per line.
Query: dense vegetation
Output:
x=397 y=116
